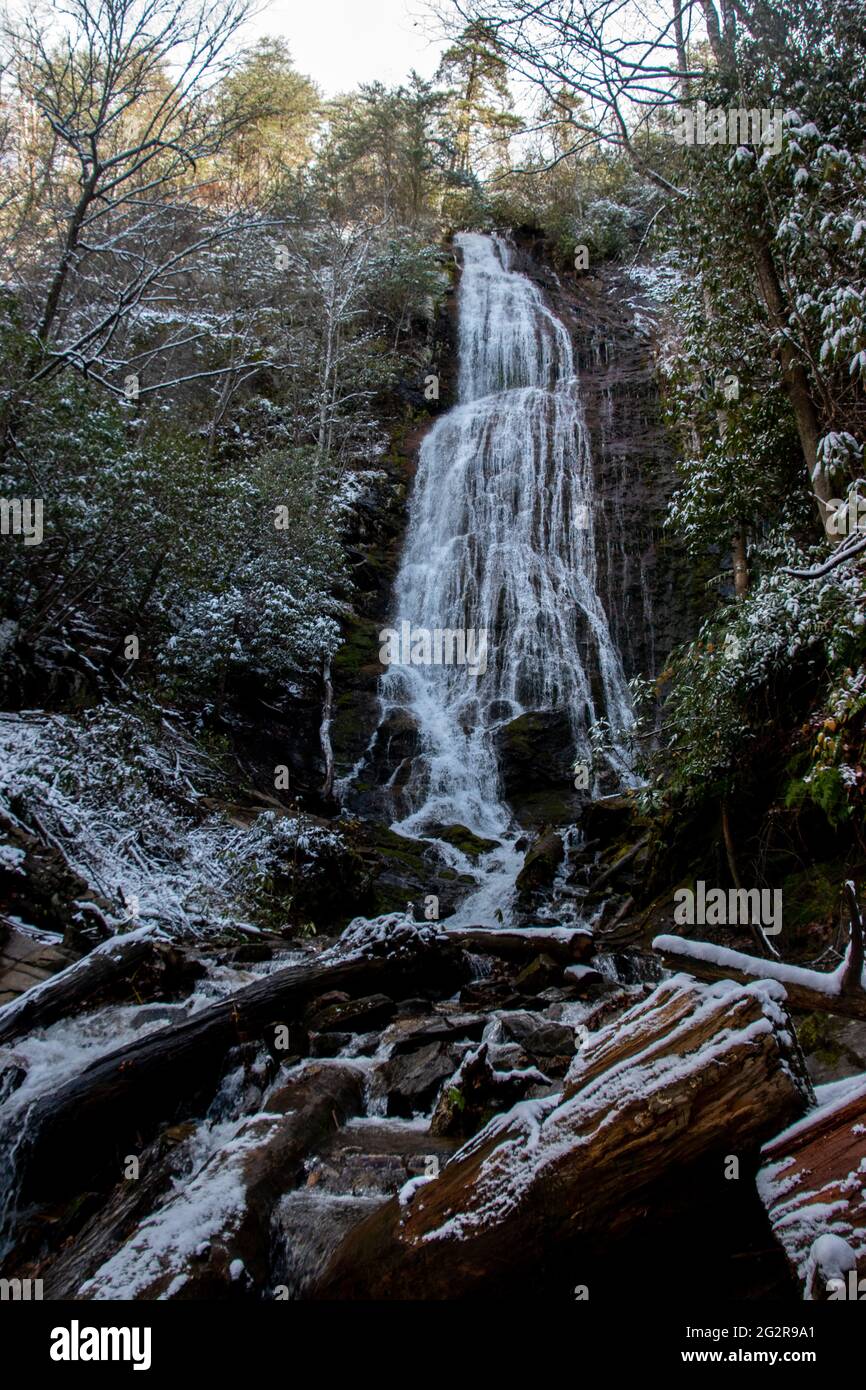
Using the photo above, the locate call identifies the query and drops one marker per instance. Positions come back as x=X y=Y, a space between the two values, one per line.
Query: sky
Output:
x=340 y=43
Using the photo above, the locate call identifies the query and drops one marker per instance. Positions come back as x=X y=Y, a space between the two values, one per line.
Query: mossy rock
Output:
x=542 y=860
x=356 y=661
x=402 y=870
x=464 y=839
x=535 y=751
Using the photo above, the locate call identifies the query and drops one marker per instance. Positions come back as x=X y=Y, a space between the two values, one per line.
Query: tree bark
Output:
x=807 y=990
x=563 y=945
x=740 y=563
x=795 y=378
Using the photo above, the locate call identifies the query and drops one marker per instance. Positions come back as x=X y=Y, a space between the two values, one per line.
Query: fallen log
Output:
x=113 y=1106
x=201 y=1244
x=114 y=964
x=688 y=1075
x=814 y=1189
x=839 y=991
x=566 y=945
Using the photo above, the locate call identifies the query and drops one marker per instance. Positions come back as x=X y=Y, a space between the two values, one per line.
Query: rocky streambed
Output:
x=403 y=1111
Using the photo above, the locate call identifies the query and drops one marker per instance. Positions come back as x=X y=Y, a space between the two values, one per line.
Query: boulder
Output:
x=352 y=1015
x=539 y=1037
x=535 y=753
x=411 y=1080
x=540 y=864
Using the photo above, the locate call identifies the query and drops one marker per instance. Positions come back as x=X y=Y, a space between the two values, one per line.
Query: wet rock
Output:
x=411 y=1007
x=252 y=952
x=405 y=1034
x=536 y=753
x=834 y=1047
x=539 y=1037
x=538 y=975
x=158 y=1013
x=489 y=993
x=583 y=977
x=477 y=1091
x=308 y=1228
x=11 y=1077
x=329 y=1044
x=473 y=846
x=411 y=1080
x=539 y=868
x=375 y=1156
x=353 y=1015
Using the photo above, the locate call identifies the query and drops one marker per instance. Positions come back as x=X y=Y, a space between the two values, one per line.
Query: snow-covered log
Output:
x=840 y=991
x=114 y=964
x=564 y=944
x=813 y=1185
x=689 y=1073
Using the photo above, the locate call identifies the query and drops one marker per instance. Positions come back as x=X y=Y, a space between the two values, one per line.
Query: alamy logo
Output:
x=423 y=646
x=22 y=516
x=735 y=126
x=76 y=1343
x=845 y=517
x=838 y=1290
x=734 y=907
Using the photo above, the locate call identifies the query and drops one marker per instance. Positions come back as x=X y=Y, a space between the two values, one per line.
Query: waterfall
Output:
x=500 y=541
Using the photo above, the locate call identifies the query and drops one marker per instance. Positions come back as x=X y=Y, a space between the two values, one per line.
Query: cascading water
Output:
x=500 y=541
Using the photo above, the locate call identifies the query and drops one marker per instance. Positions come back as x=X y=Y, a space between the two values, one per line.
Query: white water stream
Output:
x=500 y=539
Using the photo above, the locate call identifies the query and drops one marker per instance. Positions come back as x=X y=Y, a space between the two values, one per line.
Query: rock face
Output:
x=650 y=593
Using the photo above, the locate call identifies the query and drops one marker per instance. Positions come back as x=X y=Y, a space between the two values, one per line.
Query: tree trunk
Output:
x=795 y=379
x=740 y=564
x=566 y=945
x=813 y=991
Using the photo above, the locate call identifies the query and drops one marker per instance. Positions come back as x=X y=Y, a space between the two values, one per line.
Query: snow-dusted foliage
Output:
x=116 y=794
x=750 y=659
x=296 y=865
x=121 y=796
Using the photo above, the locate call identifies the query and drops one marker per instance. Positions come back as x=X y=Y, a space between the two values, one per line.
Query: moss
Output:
x=473 y=846
x=816 y=1039
x=360 y=646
